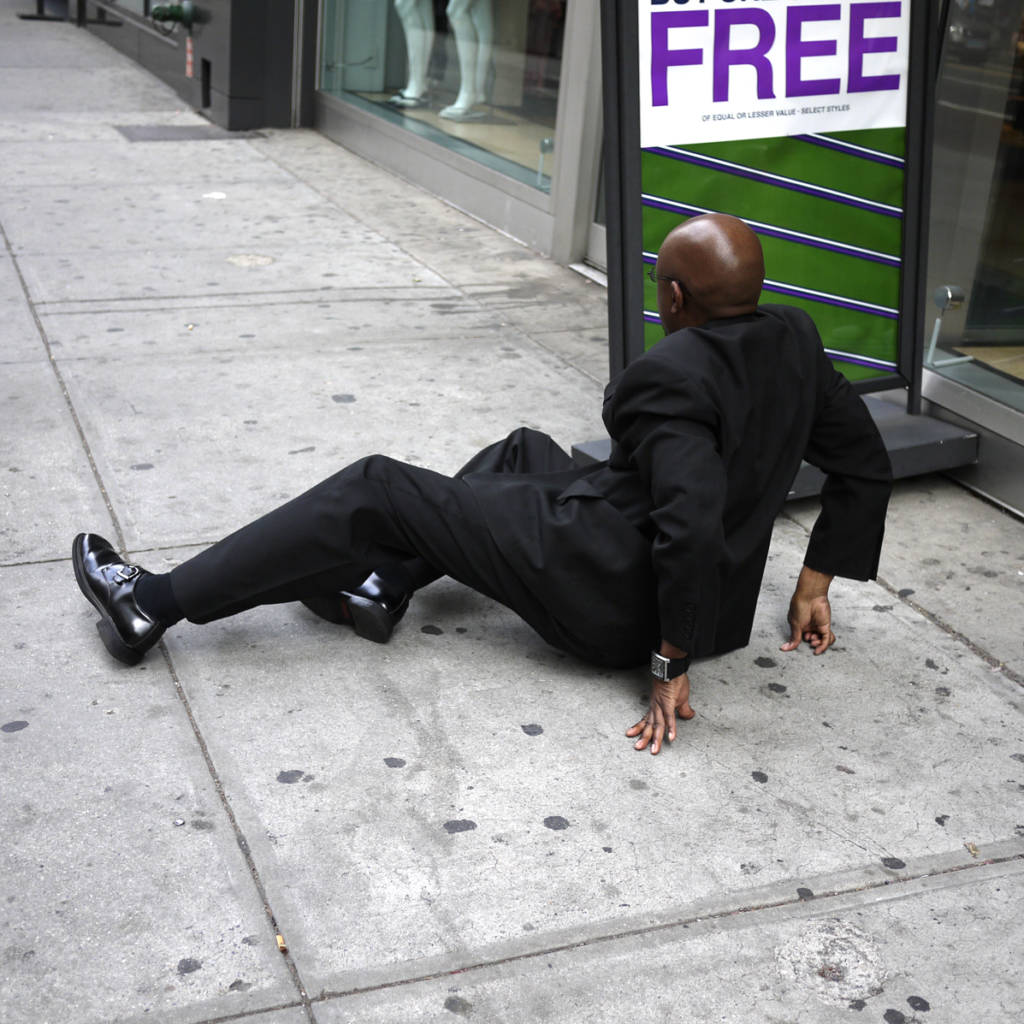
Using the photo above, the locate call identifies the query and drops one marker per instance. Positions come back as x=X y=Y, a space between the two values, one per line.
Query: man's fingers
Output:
x=820 y=638
x=663 y=725
x=645 y=737
x=651 y=729
x=659 y=724
x=823 y=641
x=682 y=707
x=794 y=638
x=671 y=731
x=642 y=729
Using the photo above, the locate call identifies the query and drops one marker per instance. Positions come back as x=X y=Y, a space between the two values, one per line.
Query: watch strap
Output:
x=668 y=668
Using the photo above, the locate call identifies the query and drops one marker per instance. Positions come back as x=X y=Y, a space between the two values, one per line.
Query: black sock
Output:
x=412 y=574
x=154 y=596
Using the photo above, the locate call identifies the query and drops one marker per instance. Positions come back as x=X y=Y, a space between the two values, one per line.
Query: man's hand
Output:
x=810 y=614
x=667 y=700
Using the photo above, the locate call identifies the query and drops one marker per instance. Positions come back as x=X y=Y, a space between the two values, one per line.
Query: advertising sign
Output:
x=717 y=70
x=792 y=115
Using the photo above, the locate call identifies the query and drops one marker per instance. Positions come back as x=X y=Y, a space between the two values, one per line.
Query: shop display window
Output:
x=480 y=77
x=140 y=8
x=976 y=257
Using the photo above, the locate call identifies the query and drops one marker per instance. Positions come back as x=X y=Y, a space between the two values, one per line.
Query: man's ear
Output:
x=678 y=297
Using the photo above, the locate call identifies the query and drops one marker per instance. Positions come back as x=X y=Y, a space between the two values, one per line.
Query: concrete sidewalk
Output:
x=452 y=826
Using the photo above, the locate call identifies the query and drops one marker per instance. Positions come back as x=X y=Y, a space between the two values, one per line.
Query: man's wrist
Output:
x=813 y=583
x=665 y=668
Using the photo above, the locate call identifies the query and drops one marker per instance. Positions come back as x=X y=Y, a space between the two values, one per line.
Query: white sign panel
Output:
x=714 y=70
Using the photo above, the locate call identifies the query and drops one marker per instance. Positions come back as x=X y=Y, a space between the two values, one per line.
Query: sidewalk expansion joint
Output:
x=25 y=563
x=990 y=659
x=44 y=338
x=62 y=559
x=727 y=914
x=951 y=631
x=275 y=296
x=254 y=1015
x=243 y=843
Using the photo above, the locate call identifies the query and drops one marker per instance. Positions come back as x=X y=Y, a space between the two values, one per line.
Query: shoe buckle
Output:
x=126 y=573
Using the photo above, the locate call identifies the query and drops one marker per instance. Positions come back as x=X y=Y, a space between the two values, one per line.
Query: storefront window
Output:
x=977 y=242
x=138 y=8
x=480 y=77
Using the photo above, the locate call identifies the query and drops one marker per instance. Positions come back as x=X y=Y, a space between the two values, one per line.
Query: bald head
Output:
x=715 y=269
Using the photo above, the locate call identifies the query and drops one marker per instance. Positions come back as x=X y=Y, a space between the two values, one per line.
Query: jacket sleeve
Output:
x=666 y=427
x=846 y=446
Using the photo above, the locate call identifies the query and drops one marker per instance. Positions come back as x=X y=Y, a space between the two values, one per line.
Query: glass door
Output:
x=976 y=248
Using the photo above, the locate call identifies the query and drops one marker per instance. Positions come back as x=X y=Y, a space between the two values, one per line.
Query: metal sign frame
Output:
x=622 y=168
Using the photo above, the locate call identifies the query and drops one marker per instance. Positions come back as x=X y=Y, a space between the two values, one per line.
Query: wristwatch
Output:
x=668 y=668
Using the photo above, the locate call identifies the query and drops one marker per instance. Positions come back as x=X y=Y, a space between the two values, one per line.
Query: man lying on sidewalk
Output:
x=663 y=546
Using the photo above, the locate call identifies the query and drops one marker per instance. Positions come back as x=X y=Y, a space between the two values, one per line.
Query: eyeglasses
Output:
x=653 y=275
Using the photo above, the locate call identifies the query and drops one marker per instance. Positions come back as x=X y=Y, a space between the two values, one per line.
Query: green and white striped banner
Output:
x=828 y=211
x=791 y=115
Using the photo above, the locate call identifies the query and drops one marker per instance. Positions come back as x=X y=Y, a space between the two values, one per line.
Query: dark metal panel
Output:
x=213 y=41
x=310 y=57
x=916 y=198
x=620 y=65
x=248 y=47
x=998 y=473
x=891 y=383
x=180 y=132
x=272 y=74
x=257 y=36
x=42 y=15
x=164 y=56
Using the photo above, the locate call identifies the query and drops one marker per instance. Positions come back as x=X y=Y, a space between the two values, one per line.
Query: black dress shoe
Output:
x=372 y=609
x=109 y=582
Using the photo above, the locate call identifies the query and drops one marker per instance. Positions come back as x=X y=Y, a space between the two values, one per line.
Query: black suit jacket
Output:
x=708 y=429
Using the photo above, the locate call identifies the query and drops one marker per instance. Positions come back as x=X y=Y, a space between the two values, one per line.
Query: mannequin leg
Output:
x=482 y=14
x=472 y=23
x=417 y=17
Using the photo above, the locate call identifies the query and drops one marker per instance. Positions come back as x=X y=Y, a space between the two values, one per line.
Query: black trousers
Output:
x=380 y=513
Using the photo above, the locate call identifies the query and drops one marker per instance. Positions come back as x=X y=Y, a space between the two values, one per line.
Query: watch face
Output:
x=659 y=666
